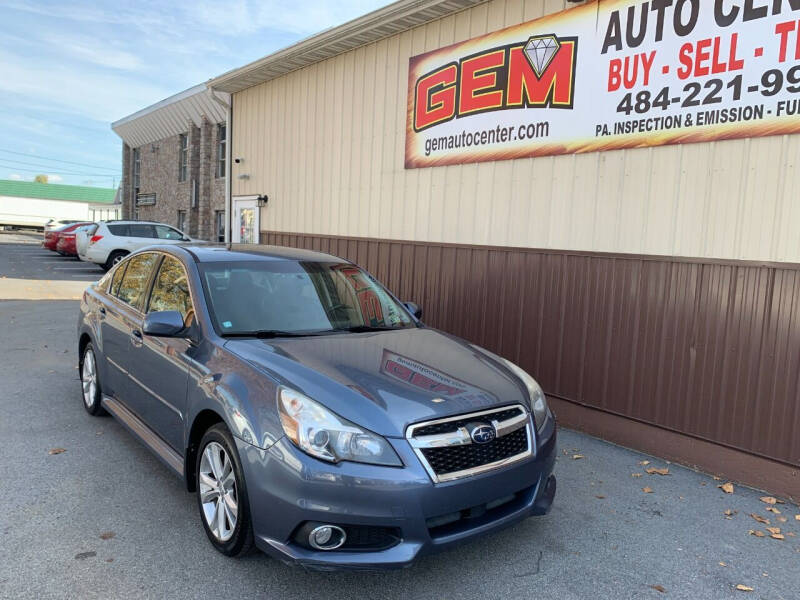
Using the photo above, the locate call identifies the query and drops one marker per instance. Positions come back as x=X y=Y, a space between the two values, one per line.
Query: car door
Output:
x=141 y=235
x=162 y=366
x=114 y=333
x=123 y=330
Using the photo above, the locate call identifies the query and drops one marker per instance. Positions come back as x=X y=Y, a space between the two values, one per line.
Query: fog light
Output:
x=326 y=537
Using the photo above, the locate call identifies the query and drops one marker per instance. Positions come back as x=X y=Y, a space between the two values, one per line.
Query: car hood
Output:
x=386 y=380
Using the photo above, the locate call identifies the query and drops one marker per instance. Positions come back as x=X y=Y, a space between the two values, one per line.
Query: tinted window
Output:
x=168 y=233
x=117 y=278
x=141 y=231
x=171 y=289
x=298 y=297
x=134 y=282
x=118 y=230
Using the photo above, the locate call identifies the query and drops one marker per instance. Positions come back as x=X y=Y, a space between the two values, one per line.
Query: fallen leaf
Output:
x=577 y=456
x=772 y=509
x=722 y=564
x=600 y=497
x=797 y=517
x=769 y=499
x=744 y=588
x=782 y=519
x=760 y=519
x=726 y=487
x=109 y=560
x=659 y=588
x=757 y=533
x=647 y=490
x=717 y=478
x=107 y=535
x=729 y=513
x=773 y=529
x=84 y=555
x=644 y=462
x=654 y=471
x=777 y=536
x=790 y=534
x=639 y=475
x=56 y=451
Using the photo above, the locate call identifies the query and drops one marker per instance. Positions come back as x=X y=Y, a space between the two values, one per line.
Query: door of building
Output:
x=245 y=228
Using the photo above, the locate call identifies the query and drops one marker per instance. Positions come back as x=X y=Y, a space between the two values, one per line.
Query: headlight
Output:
x=535 y=393
x=322 y=434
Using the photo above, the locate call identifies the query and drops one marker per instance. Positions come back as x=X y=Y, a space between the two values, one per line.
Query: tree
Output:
x=40 y=179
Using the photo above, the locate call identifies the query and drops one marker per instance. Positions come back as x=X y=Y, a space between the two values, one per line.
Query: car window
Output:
x=141 y=231
x=117 y=278
x=167 y=233
x=134 y=282
x=171 y=289
x=118 y=230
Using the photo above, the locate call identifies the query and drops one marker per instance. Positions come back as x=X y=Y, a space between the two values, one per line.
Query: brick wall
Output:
x=159 y=172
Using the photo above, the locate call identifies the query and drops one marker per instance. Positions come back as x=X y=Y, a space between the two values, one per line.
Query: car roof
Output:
x=121 y=222
x=207 y=253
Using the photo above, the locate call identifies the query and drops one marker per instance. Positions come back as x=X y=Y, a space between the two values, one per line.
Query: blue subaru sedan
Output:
x=312 y=414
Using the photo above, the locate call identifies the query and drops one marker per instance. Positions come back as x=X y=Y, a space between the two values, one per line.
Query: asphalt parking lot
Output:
x=104 y=519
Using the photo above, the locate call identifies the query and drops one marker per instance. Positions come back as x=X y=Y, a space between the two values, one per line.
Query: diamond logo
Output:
x=540 y=51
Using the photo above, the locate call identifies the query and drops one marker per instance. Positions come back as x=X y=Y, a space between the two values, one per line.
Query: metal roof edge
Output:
x=396 y=17
x=200 y=88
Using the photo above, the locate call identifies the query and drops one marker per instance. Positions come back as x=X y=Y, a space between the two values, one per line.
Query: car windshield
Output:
x=271 y=298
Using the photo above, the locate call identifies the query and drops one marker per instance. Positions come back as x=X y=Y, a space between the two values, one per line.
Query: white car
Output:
x=108 y=242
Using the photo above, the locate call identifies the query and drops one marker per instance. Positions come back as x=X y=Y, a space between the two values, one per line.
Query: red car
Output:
x=51 y=238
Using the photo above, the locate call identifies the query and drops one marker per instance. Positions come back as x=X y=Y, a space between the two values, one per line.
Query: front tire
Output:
x=114 y=258
x=222 y=494
x=90 y=382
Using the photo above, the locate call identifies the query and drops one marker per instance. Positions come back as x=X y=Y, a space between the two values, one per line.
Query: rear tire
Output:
x=114 y=258
x=90 y=382
x=220 y=486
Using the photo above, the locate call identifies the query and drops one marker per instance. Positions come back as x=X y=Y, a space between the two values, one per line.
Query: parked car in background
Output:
x=313 y=415
x=56 y=224
x=52 y=236
x=66 y=245
x=114 y=240
x=82 y=237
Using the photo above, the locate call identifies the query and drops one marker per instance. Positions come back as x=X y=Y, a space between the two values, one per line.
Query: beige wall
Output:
x=326 y=143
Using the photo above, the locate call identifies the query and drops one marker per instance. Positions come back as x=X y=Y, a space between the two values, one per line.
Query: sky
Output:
x=69 y=69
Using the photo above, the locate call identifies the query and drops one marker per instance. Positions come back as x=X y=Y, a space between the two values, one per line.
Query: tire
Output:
x=114 y=258
x=231 y=539
x=91 y=392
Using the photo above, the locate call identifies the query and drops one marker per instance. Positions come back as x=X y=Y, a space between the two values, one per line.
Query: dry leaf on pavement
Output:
x=56 y=450
x=659 y=588
x=726 y=487
x=644 y=462
x=722 y=564
x=654 y=471
x=769 y=500
x=639 y=475
x=107 y=535
x=600 y=497
x=729 y=513
x=773 y=529
x=772 y=509
x=777 y=536
x=757 y=533
x=744 y=588
x=797 y=517
x=647 y=490
x=577 y=456
x=760 y=519
x=782 y=519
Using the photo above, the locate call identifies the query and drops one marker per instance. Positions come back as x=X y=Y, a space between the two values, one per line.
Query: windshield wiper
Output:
x=365 y=328
x=274 y=333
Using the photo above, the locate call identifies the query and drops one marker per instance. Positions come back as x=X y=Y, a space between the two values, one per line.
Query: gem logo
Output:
x=537 y=73
x=540 y=51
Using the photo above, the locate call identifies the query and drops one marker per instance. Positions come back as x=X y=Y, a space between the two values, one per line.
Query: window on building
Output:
x=137 y=165
x=181 y=220
x=219 y=225
x=183 y=157
x=222 y=135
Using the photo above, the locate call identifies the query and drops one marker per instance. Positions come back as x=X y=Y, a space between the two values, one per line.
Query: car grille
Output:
x=447 y=451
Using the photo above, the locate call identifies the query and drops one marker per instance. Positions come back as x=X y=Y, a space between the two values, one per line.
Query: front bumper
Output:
x=287 y=488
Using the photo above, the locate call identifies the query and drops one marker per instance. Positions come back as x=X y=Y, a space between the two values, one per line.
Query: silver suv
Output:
x=108 y=242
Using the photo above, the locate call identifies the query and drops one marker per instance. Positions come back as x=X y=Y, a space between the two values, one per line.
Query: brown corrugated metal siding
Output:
x=706 y=348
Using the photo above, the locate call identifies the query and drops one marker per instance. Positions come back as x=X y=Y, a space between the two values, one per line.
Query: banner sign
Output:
x=606 y=75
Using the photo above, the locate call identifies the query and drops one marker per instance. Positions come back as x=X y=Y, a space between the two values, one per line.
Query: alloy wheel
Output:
x=89 y=378
x=218 y=491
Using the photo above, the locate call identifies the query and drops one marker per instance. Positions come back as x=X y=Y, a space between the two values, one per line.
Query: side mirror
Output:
x=165 y=323
x=414 y=309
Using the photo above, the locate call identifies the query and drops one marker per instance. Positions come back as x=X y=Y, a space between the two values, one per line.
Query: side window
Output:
x=167 y=233
x=121 y=230
x=171 y=289
x=141 y=231
x=134 y=282
x=117 y=278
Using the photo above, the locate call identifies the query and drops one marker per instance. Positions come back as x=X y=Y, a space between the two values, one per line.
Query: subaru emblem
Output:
x=482 y=433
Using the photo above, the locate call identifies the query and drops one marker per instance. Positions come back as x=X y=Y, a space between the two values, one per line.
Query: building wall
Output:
x=159 y=171
x=659 y=285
